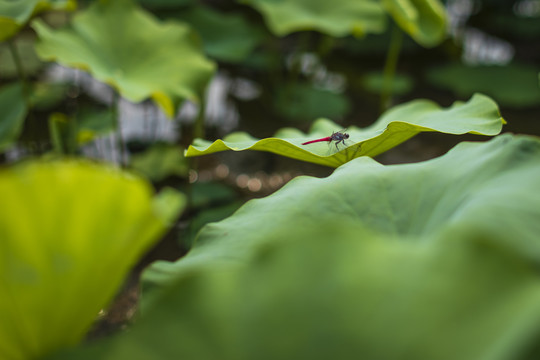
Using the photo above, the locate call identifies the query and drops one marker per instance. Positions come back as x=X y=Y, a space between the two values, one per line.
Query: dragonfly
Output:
x=338 y=137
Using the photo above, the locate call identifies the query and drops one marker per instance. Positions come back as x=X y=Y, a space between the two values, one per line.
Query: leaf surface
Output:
x=336 y=18
x=424 y=20
x=70 y=231
x=15 y=14
x=144 y=59
x=13 y=112
x=433 y=260
x=480 y=115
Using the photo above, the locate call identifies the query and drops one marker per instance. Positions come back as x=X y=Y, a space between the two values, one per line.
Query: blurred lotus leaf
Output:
x=424 y=20
x=92 y=123
x=13 y=111
x=161 y=161
x=480 y=115
x=144 y=58
x=226 y=36
x=374 y=82
x=512 y=85
x=70 y=231
x=303 y=102
x=25 y=48
x=47 y=95
x=433 y=260
x=165 y=4
x=15 y=14
x=336 y=18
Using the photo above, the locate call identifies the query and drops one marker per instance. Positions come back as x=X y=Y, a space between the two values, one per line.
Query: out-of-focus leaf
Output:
x=480 y=115
x=47 y=95
x=12 y=114
x=511 y=85
x=204 y=217
x=299 y=102
x=70 y=232
x=205 y=194
x=161 y=161
x=336 y=18
x=92 y=123
x=165 y=4
x=144 y=59
x=226 y=37
x=63 y=133
x=15 y=14
x=431 y=260
x=423 y=20
x=27 y=54
x=401 y=84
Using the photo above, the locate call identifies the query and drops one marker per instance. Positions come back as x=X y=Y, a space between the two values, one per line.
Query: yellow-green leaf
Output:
x=69 y=233
x=480 y=115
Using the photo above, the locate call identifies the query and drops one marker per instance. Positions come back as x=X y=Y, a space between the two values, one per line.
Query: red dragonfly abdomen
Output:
x=328 y=139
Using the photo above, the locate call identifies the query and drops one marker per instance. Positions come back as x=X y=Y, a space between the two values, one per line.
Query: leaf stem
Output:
x=116 y=119
x=390 y=67
x=20 y=71
x=198 y=128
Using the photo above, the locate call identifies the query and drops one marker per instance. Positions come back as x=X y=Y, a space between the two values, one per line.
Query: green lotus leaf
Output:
x=24 y=45
x=70 y=231
x=480 y=115
x=336 y=18
x=165 y=4
x=491 y=187
x=424 y=20
x=433 y=260
x=161 y=161
x=15 y=14
x=226 y=36
x=512 y=85
x=144 y=59
x=303 y=102
x=13 y=109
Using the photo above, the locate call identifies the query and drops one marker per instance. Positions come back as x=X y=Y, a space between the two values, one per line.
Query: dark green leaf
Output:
x=227 y=37
x=160 y=161
x=300 y=102
x=511 y=85
x=13 y=112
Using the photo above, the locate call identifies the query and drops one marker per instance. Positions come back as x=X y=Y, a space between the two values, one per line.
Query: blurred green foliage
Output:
x=408 y=261
x=70 y=231
x=435 y=260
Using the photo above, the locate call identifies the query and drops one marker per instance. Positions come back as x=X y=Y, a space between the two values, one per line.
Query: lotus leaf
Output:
x=433 y=260
x=303 y=102
x=69 y=231
x=336 y=18
x=13 y=109
x=512 y=85
x=15 y=14
x=126 y=47
x=226 y=36
x=24 y=45
x=160 y=161
x=472 y=185
x=480 y=115
x=423 y=20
